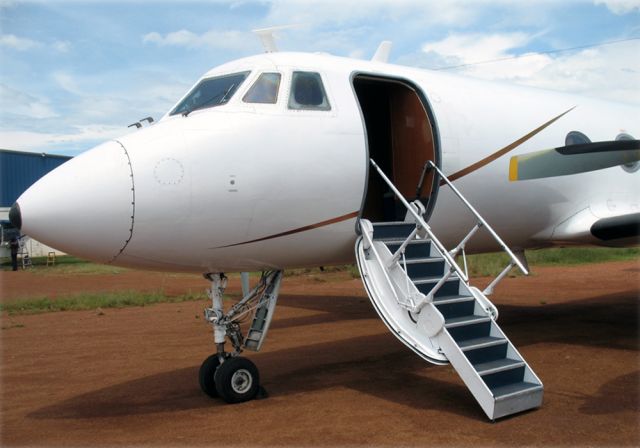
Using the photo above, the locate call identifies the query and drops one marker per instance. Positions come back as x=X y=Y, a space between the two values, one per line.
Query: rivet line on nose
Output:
x=133 y=202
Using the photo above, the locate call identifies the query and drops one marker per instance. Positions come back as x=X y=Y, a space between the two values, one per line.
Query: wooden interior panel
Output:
x=412 y=141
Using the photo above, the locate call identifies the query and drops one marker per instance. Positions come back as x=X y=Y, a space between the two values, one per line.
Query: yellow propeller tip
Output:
x=513 y=169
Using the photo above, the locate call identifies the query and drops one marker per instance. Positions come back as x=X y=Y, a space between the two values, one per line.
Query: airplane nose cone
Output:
x=15 y=217
x=85 y=207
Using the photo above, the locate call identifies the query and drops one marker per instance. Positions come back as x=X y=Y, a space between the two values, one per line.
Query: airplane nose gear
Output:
x=233 y=378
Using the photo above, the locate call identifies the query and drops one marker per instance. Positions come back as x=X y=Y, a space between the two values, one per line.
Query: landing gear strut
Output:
x=229 y=376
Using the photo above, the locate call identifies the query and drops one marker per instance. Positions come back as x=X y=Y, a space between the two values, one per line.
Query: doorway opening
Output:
x=401 y=137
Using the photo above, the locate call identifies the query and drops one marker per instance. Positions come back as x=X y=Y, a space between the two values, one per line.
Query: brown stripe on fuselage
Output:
x=476 y=166
x=298 y=230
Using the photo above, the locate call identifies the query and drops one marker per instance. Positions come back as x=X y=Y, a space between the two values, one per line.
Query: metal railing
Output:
x=481 y=223
x=422 y=225
x=449 y=256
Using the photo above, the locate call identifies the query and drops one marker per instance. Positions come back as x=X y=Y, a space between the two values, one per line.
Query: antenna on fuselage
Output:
x=267 y=37
x=383 y=52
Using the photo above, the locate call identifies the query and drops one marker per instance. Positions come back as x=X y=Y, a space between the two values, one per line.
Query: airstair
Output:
x=425 y=299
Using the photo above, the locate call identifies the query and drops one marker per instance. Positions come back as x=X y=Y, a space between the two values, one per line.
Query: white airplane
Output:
x=286 y=160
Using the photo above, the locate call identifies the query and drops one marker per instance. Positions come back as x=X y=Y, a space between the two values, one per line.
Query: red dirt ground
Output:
x=334 y=374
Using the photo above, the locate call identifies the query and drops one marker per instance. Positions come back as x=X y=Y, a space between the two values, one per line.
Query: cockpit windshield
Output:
x=210 y=92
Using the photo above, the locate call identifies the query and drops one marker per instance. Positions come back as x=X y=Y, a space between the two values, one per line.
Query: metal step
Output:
x=426 y=284
x=479 y=355
x=392 y=230
x=451 y=299
x=415 y=248
x=465 y=320
x=514 y=390
x=473 y=331
x=485 y=341
x=498 y=365
x=458 y=308
x=425 y=267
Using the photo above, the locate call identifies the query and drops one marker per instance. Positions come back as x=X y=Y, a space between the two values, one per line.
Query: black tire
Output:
x=207 y=375
x=237 y=380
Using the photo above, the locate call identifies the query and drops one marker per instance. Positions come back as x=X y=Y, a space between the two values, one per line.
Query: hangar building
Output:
x=18 y=171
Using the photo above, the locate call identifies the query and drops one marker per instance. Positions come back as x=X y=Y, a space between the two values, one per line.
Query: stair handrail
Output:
x=514 y=260
x=422 y=223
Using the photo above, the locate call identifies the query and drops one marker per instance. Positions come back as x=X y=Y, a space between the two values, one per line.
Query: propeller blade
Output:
x=573 y=159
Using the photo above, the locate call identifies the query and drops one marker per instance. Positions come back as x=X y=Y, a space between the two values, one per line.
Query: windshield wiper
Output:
x=210 y=100
x=224 y=97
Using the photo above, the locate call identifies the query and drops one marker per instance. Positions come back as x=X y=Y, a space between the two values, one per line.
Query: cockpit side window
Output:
x=210 y=92
x=307 y=92
x=264 y=90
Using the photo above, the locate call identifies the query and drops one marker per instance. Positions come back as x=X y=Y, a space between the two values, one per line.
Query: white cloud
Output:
x=609 y=72
x=17 y=43
x=66 y=82
x=338 y=12
x=226 y=40
x=44 y=142
x=474 y=49
x=62 y=46
x=620 y=6
x=469 y=48
x=16 y=102
x=23 y=44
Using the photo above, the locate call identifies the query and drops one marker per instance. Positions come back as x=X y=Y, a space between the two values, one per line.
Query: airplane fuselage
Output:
x=253 y=186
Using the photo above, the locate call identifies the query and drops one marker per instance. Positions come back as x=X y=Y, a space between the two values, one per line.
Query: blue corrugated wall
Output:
x=20 y=170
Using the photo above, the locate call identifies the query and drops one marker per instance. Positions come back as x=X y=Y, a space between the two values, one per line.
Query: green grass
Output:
x=86 y=268
x=581 y=255
x=67 y=264
x=93 y=301
x=481 y=265
x=491 y=264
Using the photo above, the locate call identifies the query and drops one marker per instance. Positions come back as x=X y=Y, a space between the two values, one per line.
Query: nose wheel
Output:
x=235 y=380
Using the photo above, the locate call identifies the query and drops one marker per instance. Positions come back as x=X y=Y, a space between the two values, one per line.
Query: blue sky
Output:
x=76 y=73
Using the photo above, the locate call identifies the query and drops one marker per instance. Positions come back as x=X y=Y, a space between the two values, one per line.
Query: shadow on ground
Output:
x=379 y=365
